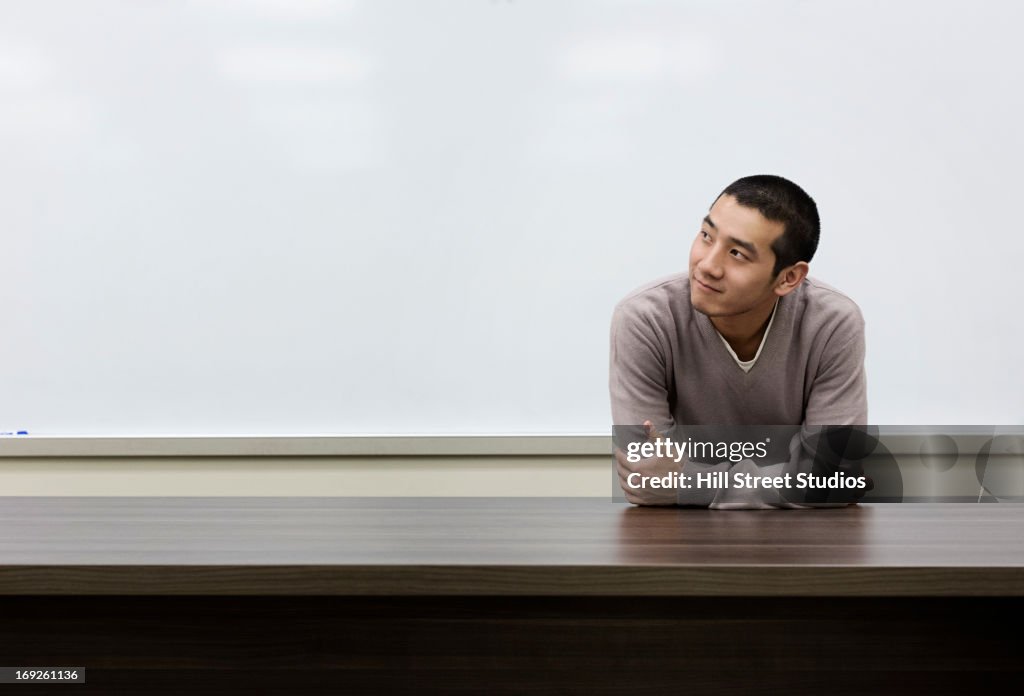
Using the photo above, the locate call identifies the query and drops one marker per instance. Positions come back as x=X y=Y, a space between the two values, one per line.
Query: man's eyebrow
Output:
x=749 y=246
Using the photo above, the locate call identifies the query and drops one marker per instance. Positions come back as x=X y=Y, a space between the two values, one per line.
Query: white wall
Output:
x=277 y=217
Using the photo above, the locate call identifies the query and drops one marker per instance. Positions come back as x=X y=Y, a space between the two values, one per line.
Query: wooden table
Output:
x=282 y=595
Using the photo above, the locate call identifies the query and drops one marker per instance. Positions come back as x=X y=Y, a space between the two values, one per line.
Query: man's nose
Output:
x=711 y=264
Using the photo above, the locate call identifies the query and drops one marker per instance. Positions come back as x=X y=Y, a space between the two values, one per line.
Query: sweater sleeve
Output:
x=639 y=384
x=638 y=379
x=838 y=393
x=838 y=397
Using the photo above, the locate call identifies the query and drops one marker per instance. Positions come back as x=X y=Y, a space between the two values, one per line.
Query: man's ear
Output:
x=790 y=278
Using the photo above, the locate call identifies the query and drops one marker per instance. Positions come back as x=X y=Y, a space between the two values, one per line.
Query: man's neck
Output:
x=744 y=332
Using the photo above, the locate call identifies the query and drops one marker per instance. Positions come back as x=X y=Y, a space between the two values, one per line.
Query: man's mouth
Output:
x=706 y=286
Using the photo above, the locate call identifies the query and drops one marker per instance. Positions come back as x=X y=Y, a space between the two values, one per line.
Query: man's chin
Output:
x=700 y=307
x=710 y=312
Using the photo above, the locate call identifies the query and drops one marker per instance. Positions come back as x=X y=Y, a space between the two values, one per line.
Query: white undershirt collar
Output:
x=746 y=365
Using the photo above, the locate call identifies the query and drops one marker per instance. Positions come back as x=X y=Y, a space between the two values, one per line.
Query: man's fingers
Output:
x=652 y=433
x=621 y=467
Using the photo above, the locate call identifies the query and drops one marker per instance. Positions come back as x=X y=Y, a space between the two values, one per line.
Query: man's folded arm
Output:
x=839 y=393
x=638 y=380
x=834 y=435
x=638 y=383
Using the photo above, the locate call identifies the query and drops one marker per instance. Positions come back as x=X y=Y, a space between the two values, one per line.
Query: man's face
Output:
x=731 y=260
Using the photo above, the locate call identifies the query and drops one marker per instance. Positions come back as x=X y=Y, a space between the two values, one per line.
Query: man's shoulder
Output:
x=665 y=295
x=822 y=309
x=823 y=301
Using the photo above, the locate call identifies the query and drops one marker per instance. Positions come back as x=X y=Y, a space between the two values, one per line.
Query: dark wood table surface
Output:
x=461 y=595
x=502 y=546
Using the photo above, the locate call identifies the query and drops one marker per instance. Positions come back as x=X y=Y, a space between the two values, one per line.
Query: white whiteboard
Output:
x=315 y=217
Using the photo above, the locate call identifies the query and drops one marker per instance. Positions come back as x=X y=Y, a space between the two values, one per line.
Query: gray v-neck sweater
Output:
x=670 y=366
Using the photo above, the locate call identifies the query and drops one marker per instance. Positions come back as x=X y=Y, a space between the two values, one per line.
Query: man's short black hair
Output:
x=780 y=200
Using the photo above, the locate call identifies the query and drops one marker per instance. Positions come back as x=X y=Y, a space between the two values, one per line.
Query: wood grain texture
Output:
x=509 y=596
x=514 y=645
x=536 y=546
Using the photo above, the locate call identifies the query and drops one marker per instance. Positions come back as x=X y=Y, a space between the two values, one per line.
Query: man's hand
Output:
x=655 y=467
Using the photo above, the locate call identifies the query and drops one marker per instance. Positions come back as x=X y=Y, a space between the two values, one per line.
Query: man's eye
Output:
x=705 y=235
x=739 y=254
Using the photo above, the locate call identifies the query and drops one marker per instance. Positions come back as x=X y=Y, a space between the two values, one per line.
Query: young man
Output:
x=744 y=337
